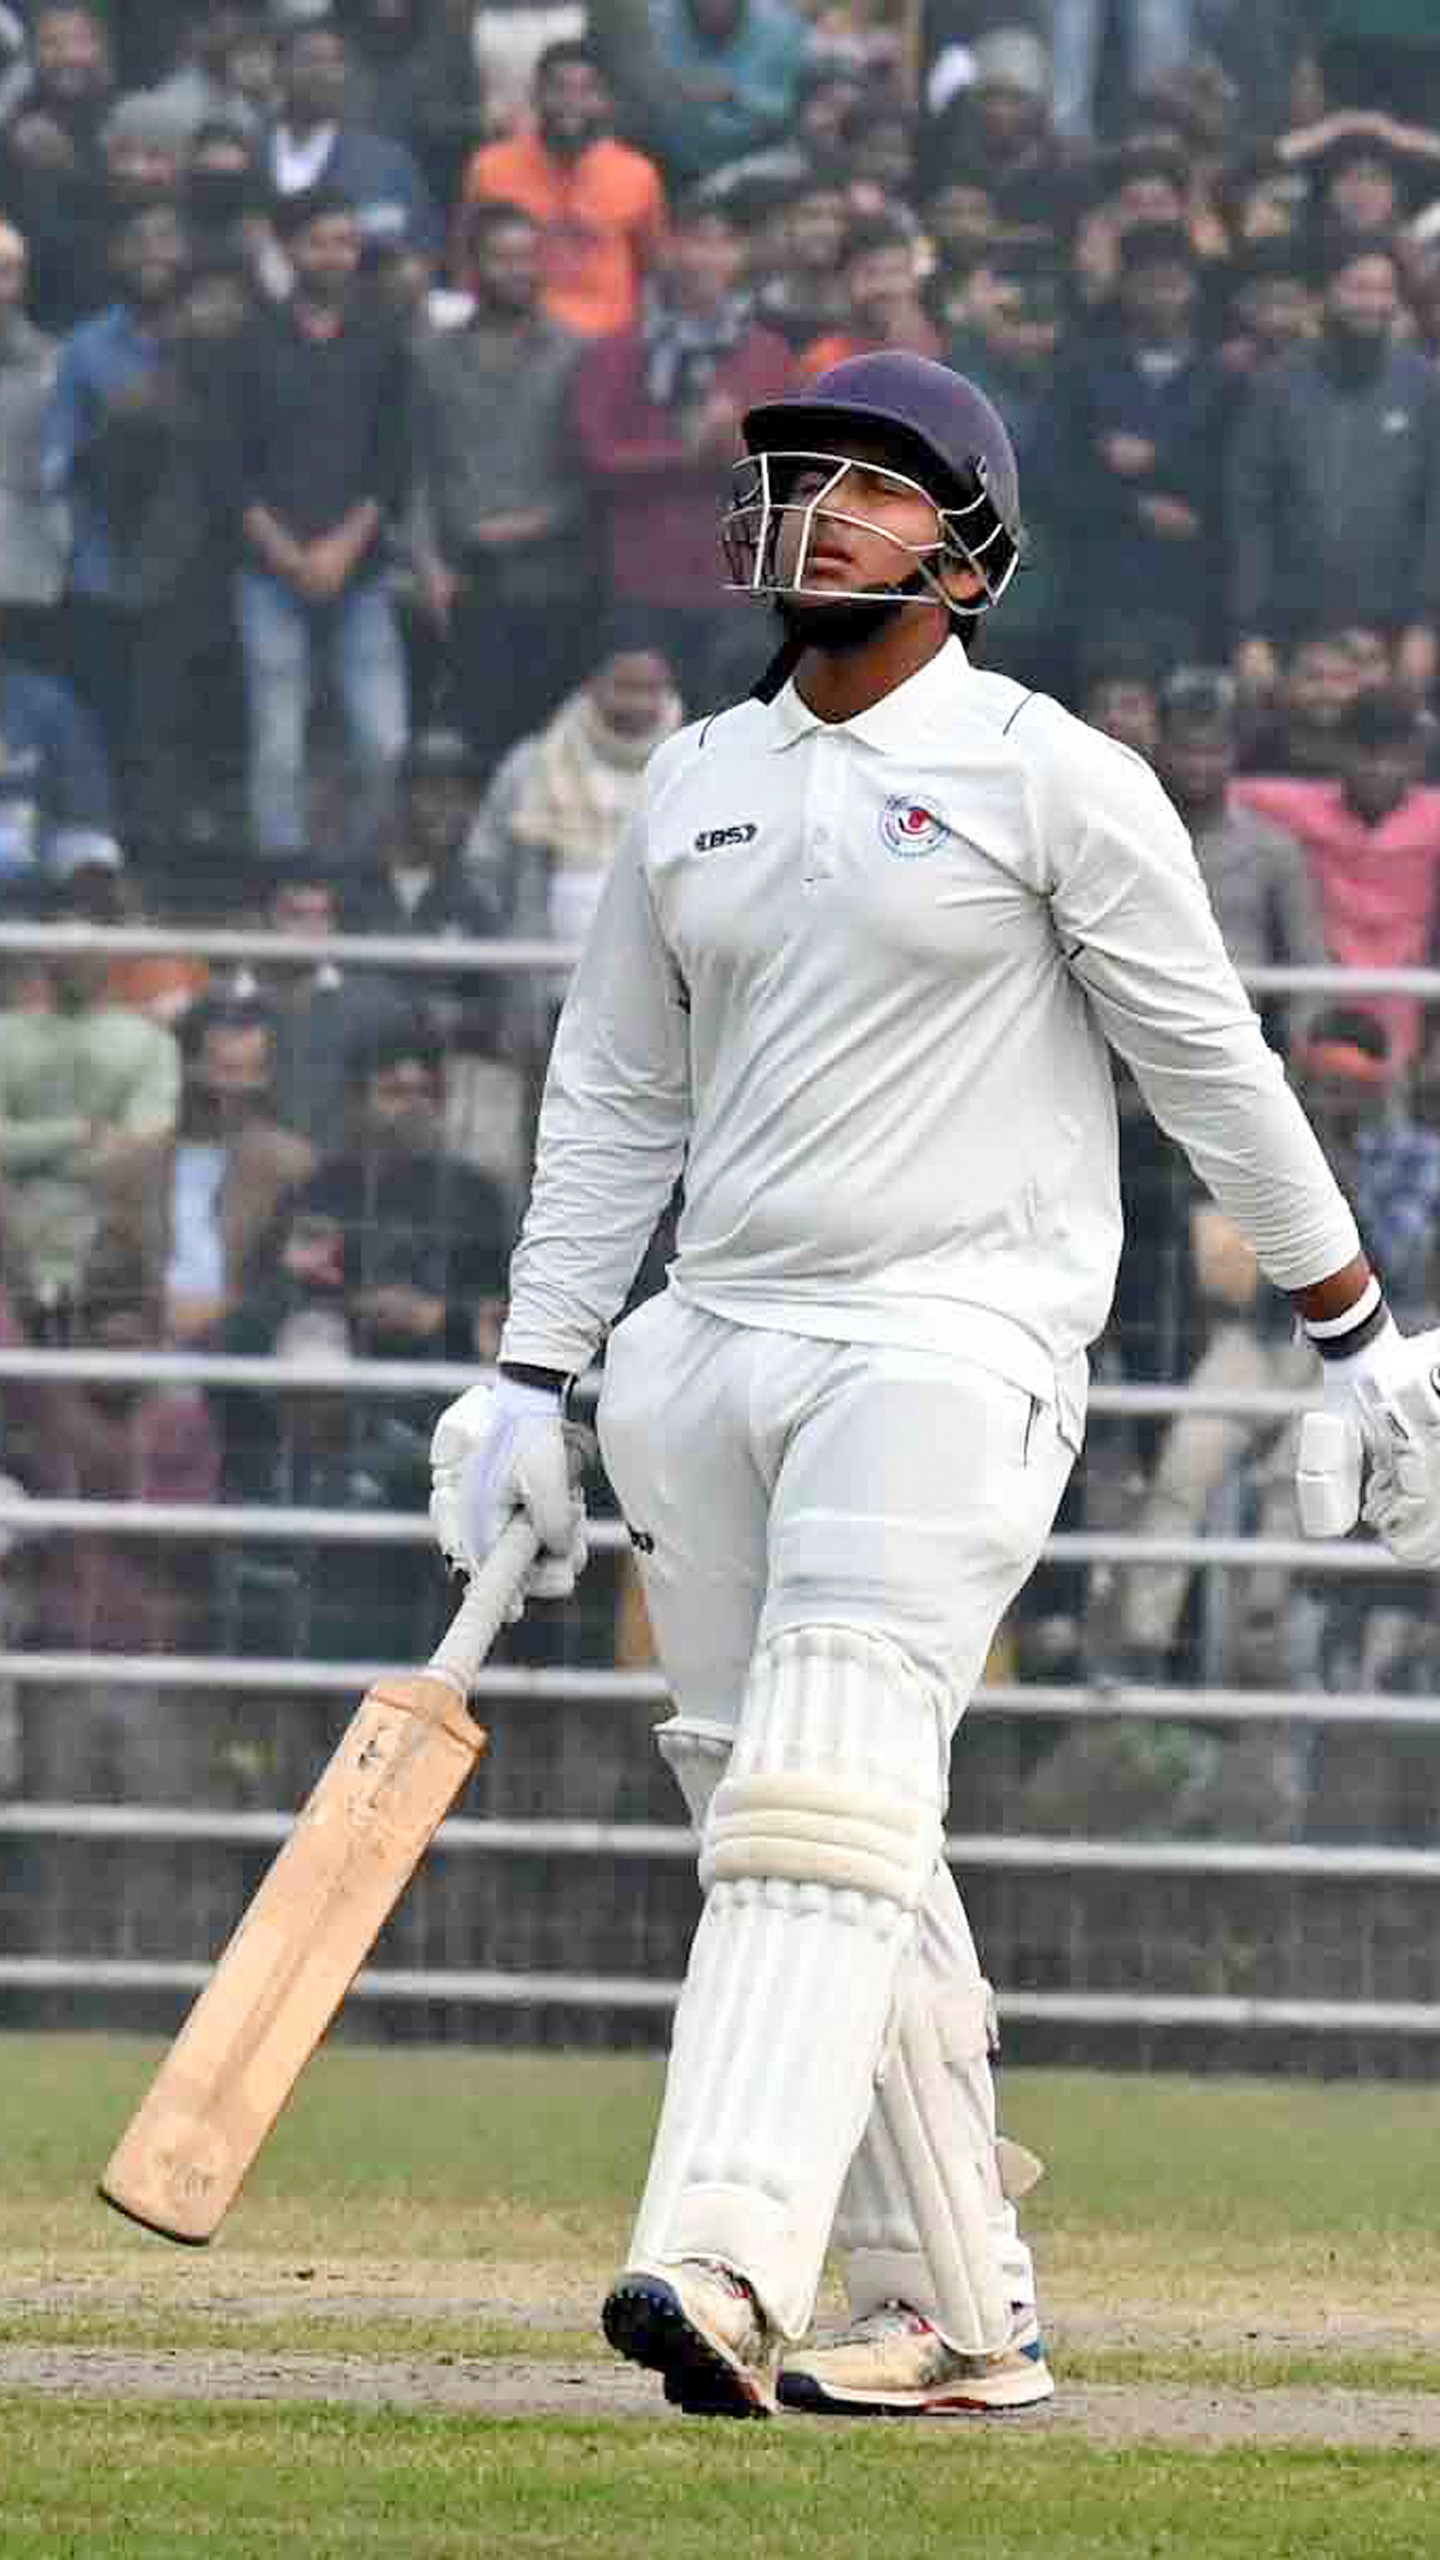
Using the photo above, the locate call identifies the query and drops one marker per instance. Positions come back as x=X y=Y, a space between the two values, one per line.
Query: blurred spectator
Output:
x=657 y=413
x=34 y=524
x=313 y=143
x=226 y=203
x=816 y=143
x=151 y=467
x=1009 y=344
x=1146 y=408
x=1390 y=1168
x=1300 y=730
x=200 y=88
x=413 y=74
x=554 y=815
x=1119 y=694
x=885 y=306
x=728 y=76
x=142 y=152
x=1373 y=843
x=882 y=149
x=1334 y=485
x=324 y=1016
x=804 y=295
x=105 y=369
x=421 y=886
x=55 y=811
x=321 y=463
x=85 y=1087
x=1257 y=875
x=1157 y=38
x=121 y=1741
x=308 y=1599
x=504 y=550
x=599 y=204
x=197 y=1219
x=252 y=70
x=998 y=133
x=962 y=235
x=1273 y=307
x=51 y=176
x=422 y=1239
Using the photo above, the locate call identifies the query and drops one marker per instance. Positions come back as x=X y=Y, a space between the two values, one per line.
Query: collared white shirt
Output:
x=861 y=980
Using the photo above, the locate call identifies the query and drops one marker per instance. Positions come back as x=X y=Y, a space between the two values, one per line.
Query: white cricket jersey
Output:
x=858 y=980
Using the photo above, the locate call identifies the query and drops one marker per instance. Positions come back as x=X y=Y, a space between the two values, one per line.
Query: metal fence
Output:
x=1100 y=1822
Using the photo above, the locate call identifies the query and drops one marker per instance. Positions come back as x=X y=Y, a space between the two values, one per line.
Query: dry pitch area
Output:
x=1242 y=2270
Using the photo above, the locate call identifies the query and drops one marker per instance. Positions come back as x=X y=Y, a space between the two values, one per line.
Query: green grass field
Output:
x=405 y=2298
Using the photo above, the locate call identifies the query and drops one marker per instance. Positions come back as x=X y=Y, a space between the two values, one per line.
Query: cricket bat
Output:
x=374 y=1809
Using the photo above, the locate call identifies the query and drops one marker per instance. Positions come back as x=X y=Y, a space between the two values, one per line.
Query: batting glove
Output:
x=502 y=1449
x=1381 y=1409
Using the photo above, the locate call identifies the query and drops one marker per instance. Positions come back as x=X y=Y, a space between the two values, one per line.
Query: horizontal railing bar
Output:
x=1072 y=1700
x=626 y=1991
x=426 y=952
x=1027 y=1851
x=423 y=952
x=277 y=1524
x=430 y=1377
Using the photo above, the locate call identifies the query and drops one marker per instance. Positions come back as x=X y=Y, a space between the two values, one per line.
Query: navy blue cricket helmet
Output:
x=942 y=433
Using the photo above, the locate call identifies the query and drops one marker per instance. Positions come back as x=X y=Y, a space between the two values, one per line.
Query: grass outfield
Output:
x=425 y=2211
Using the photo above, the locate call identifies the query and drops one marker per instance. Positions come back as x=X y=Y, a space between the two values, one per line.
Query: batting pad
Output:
x=926 y=2217
x=817 y=1848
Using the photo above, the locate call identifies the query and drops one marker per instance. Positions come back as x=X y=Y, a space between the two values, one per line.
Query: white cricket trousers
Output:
x=776 y=1483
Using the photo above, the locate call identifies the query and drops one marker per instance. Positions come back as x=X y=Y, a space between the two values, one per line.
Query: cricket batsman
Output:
x=858 y=970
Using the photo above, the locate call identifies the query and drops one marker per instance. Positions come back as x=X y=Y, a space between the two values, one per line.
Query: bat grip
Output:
x=486 y=1605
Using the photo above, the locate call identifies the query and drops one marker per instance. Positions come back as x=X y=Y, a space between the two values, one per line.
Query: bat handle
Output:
x=488 y=1599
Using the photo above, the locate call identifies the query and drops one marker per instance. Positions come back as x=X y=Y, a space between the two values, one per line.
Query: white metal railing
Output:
x=490 y=953
x=620 y=1992
x=1339 y=1864
x=1075 y=1700
x=277 y=1524
x=1028 y=1852
x=433 y=1377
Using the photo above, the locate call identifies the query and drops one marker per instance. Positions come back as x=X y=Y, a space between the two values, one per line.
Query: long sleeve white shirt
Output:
x=858 y=980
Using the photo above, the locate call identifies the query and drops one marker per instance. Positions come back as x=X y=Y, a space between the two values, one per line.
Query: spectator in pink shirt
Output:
x=1372 y=840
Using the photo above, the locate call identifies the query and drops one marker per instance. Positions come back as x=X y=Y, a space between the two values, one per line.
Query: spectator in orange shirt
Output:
x=882 y=278
x=600 y=206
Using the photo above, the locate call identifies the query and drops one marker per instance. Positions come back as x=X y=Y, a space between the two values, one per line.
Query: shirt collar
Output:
x=924 y=702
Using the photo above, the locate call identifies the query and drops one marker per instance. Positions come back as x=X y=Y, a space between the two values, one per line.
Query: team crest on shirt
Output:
x=912 y=827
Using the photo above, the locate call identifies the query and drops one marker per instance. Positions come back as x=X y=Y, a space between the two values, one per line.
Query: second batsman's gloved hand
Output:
x=498 y=1450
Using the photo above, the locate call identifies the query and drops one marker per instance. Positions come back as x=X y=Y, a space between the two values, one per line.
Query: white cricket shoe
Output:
x=701 y=2326
x=892 y=2362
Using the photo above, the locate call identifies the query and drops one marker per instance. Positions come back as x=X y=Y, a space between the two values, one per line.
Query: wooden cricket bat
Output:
x=408 y=1751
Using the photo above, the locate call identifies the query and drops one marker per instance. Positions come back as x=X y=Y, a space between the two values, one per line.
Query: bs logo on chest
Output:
x=711 y=839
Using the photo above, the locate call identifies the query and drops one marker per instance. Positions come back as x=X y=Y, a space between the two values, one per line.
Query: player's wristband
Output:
x=554 y=1381
x=1341 y=1337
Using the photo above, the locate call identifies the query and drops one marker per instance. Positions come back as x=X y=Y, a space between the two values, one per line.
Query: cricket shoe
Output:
x=892 y=2362
x=702 y=2328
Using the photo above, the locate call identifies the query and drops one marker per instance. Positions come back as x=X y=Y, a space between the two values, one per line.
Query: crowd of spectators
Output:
x=369 y=377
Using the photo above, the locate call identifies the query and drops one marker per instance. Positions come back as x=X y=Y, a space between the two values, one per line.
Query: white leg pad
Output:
x=818 y=1845
x=926 y=2216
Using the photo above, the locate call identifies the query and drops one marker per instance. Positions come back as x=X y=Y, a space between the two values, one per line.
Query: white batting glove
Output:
x=1382 y=1406
x=498 y=1450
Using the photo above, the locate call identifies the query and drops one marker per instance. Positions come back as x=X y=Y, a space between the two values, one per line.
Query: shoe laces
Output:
x=887 y=2320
